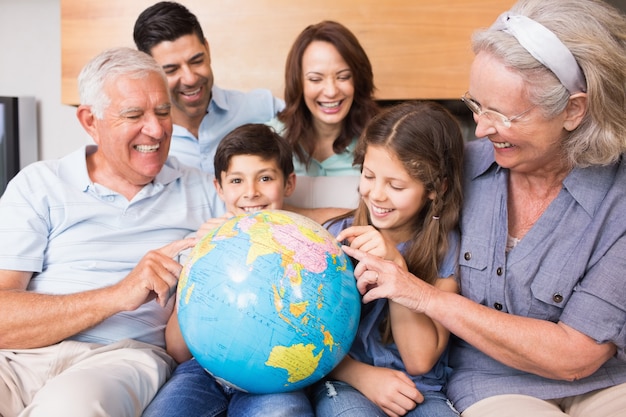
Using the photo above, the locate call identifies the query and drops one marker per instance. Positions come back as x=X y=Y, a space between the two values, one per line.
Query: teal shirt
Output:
x=336 y=165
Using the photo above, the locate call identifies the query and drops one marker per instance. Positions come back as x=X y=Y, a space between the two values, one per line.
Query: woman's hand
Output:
x=379 y=278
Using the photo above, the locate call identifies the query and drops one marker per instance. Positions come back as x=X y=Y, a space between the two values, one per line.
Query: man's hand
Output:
x=155 y=276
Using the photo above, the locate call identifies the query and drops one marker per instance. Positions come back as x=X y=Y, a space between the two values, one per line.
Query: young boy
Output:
x=253 y=171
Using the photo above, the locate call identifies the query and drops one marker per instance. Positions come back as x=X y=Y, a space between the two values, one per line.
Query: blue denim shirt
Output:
x=569 y=267
x=368 y=346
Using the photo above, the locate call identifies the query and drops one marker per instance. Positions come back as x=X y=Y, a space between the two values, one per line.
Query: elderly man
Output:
x=88 y=252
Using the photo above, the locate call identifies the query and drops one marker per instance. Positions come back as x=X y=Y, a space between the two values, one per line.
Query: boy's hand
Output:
x=212 y=224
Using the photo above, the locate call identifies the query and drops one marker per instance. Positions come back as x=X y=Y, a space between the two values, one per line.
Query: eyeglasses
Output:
x=492 y=115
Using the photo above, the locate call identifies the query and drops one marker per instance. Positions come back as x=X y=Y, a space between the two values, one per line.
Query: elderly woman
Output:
x=540 y=324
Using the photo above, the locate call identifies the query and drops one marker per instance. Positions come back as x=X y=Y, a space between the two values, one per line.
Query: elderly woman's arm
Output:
x=551 y=350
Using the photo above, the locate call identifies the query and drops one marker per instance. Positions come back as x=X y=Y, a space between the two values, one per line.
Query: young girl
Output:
x=410 y=187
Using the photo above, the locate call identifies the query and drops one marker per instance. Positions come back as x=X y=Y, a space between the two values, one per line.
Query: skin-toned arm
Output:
x=551 y=350
x=31 y=320
x=391 y=390
x=419 y=339
x=174 y=342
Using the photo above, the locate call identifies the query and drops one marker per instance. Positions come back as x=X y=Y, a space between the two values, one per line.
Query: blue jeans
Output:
x=192 y=392
x=334 y=398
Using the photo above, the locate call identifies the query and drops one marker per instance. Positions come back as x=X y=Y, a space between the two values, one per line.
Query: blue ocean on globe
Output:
x=268 y=303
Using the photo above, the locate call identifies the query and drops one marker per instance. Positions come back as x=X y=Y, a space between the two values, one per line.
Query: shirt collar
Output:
x=73 y=170
x=587 y=186
x=219 y=101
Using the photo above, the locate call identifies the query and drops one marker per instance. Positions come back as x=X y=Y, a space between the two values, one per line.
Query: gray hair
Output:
x=595 y=33
x=111 y=64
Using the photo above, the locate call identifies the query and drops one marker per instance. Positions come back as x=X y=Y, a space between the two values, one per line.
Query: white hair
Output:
x=111 y=64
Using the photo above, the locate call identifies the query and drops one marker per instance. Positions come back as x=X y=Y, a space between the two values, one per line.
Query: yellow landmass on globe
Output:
x=329 y=340
x=298 y=309
x=298 y=360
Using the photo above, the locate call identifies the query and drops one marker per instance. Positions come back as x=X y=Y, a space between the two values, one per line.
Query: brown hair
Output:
x=253 y=139
x=296 y=116
x=428 y=141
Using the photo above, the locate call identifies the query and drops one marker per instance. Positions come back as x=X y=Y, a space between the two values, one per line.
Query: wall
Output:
x=30 y=65
x=419 y=49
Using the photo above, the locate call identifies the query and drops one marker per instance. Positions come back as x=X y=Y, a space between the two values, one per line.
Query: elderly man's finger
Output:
x=173 y=249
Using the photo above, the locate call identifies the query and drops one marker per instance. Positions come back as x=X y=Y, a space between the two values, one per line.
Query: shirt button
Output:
x=557 y=298
x=467 y=256
x=499 y=271
x=497 y=306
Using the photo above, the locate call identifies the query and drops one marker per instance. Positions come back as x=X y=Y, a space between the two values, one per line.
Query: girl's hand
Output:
x=371 y=241
x=391 y=390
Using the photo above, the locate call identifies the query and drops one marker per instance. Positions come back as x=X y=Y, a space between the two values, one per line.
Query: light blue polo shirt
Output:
x=76 y=235
x=228 y=109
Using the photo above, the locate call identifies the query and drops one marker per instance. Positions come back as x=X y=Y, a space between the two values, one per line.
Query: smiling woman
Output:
x=541 y=317
x=329 y=98
x=417 y=47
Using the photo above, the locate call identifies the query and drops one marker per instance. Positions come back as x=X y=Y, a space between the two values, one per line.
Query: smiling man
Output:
x=202 y=112
x=88 y=249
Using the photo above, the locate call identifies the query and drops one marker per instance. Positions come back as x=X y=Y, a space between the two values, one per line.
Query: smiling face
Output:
x=252 y=183
x=133 y=137
x=532 y=143
x=187 y=64
x=328 y=84
x=393 y=198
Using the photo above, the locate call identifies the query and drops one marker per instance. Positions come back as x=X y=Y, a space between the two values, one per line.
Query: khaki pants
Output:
x=608 y=402
x=75 y=379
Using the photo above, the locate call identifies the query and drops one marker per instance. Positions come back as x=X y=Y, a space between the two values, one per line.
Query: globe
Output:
x=268 y=303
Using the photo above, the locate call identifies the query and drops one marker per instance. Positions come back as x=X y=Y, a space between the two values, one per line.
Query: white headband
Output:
x=546 y=47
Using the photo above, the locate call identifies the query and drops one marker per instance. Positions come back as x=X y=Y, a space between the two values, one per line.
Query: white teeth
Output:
x=330 y=105
x=502 y=145
x=252 y=209
x=147 y=148
x=190 y=93
x=380 y=210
